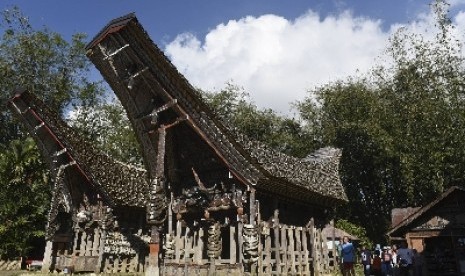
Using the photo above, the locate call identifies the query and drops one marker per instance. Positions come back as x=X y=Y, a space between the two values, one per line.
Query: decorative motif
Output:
x=214 y=246
x=209 y=199
x=157 y=208
x=61 y=201
x=250 y=243
x=169 y=246
x=125 y=244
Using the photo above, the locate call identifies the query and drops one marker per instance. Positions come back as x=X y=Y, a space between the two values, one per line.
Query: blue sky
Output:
x=275 y=49
x=166 y=19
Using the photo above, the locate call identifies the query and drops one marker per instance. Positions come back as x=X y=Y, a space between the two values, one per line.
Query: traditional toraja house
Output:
x=437 y=232
x=209 y=199
x=97 y=214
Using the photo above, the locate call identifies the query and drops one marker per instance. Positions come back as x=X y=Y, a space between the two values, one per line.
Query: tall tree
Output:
x=56 y=71
x=399 y=127
x=234 y=107
x=24 y=199
x=43 y=62
x=108 y=126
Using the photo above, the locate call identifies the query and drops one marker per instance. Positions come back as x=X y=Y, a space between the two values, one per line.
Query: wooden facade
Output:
x=437 y=232
x=208 y=199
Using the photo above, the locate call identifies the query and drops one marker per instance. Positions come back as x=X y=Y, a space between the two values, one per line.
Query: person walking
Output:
x=395 y=265
x=405 y=257
x=376 y=264
x=386 y=267
x=365 y=256
x=348 y=257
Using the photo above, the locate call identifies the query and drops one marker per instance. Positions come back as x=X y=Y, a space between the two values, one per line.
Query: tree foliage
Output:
x=354 y=230
x=24 y=197
x=399 y=128
x=57 y=72
x=108 y=126
x=233 y=106
x=43 y=62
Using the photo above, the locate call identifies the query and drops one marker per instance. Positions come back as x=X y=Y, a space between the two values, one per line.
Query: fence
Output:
x=263 y=249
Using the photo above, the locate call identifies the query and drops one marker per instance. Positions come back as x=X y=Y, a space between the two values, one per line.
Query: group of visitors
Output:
x=390 y=261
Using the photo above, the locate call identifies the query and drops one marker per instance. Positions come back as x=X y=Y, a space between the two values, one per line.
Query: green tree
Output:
x=108 y=126
x=349 y=115
x=43 y=62
x=24 y=199
x=354 y=230
x=399 y=128
x=233 y=106
x=56 y=71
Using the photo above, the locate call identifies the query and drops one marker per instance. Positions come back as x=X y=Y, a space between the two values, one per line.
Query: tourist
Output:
x=418 y=263
x=365 y=256
x=348 y=257
x=405 y=259
x=395 y=265
x=386 y=266
x=376 y=264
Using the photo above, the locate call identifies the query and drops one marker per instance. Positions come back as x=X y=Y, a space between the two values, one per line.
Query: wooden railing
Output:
x=282 y=250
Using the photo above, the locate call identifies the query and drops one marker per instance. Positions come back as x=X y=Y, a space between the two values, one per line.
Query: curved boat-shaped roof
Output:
x=119 y=183
x=145 y=80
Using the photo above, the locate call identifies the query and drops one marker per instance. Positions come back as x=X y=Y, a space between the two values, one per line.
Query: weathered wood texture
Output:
x=283 y=250
x=10 y=265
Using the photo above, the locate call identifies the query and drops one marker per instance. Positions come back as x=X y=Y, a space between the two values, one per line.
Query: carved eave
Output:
x=145 y=80
x=116 y=182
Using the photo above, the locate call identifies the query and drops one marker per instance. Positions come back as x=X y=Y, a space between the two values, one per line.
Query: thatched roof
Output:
x=144 y=79
x=119 y=183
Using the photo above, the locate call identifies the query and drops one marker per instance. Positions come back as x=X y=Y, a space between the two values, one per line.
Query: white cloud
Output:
x=275 y=59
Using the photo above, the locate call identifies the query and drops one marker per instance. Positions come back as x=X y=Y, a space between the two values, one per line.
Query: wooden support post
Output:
x=283 y=249
x=199 y=248
x=253 y=207
x=100 y=265
x=95 y=244
x=152 y=268
x=277 y=245
x=306 y=259
x=170 y=215
x=47 y=262
x=267 y=265
x=240 y=241
x=333 y=240
x=232 y=242
x=178 y=242
x=313 y=245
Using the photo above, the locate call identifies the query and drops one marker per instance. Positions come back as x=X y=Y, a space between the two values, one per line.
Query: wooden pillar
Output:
x=253 y=207
x=232 y=245
x=170 y=215
x=333 y=240
x=47 y=262
x=313 y=245
x=277 y=245
x=100 y=267
x=154 y=245
x=306 y=260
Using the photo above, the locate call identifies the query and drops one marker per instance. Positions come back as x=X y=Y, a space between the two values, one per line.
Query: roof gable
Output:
x=150 y=87
x=420 y=213
x=119 y=183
